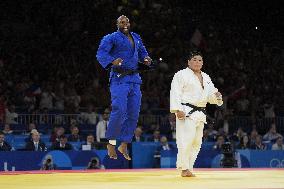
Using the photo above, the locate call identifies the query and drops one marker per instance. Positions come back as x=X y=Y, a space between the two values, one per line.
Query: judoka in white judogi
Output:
x=191 y=86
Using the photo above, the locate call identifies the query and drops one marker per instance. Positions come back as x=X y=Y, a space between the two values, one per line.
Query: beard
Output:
x=125 y=31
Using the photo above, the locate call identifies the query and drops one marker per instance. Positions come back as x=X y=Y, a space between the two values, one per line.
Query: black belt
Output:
x=195 y=108
x=124 y=72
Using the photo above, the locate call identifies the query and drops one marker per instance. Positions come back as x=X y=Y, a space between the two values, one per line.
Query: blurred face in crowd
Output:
x=106 y=114
x=2 y=137
x=35 y=136
x=220 y=140
x=240 y=131
x=7 y=127
x=205 y=133
x=245 y=139
x=279 y=141
x=90 y=139
x=258 y=139
x=60 y=131
x=253 y=133
x=273 y=128
x=138 y=132
x=123 y=24
x=75 y=131
x=156 y=134
x=63 y=140
x=195 y=63
x=164 y=140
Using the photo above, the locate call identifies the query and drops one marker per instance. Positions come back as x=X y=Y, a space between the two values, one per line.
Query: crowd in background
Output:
x=48 y=63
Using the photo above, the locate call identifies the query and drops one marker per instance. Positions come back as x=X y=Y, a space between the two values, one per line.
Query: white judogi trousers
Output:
x=189 y=135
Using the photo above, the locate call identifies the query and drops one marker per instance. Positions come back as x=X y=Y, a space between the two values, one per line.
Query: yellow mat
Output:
x=147 y=179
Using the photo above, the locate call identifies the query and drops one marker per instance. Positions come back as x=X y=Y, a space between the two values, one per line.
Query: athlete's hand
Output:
x=147 y=60
x=180 y=115
x=218 y=95
x=117 y=62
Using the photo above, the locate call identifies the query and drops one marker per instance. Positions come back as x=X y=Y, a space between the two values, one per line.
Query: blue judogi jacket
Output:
x=117 y=45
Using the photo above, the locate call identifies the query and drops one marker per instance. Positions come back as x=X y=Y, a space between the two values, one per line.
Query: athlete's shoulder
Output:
x=136 y=35
x=180 y=73
x=111 y=35
x=206 y=75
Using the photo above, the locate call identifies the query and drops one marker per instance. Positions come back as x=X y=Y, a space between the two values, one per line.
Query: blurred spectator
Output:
x=102 y=126
x=138 y=135
x=4 y=146
x=47 y=97
x=62 y=144
x=57 y=133
x=30 y=137
x=244 y=143
x=258 y=145
x=253 y=136
x=72 y=101
x=7 y=130
x=272 y=134
x=35 y=144
x=218 y=145
x=206 y=137
x=59 y=100
x=31 y=127
x=268 y=111
x=11 y=115
x=152 y=128
x=278 y=144
x=167 y=127
x=212 y=133
x=164 y=146
x=155 y=137
x=89 y=117
x=90 y=143
x=74 y=137
x=238 y=135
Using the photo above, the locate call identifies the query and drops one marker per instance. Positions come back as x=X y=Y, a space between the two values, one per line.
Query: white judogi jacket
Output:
x=186 y=88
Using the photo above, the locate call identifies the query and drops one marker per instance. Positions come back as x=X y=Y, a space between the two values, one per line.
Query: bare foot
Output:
x=187 y=173
x=123 y=149
x=111 y=151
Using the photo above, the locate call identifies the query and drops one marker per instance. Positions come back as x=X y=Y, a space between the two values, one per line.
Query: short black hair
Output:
x=193 y=53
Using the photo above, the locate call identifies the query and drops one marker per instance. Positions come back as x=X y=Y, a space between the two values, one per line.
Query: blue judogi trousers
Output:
x=125 y=101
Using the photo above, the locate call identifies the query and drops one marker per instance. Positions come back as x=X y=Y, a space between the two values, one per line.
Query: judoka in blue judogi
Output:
x=121 y=51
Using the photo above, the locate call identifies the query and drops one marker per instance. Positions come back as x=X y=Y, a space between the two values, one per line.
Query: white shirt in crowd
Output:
x=101 y=130
x=46 y=100
x=11 y=117
x=90 y=118
x=277 y=147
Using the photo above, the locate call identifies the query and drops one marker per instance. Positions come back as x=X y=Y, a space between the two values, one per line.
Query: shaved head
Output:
x=121 y=17
x=123 y=24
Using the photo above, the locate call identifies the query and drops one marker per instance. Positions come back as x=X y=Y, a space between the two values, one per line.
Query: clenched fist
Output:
x=180 y=115
x=147 y=60
x=218 y=95
x=117 y=62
